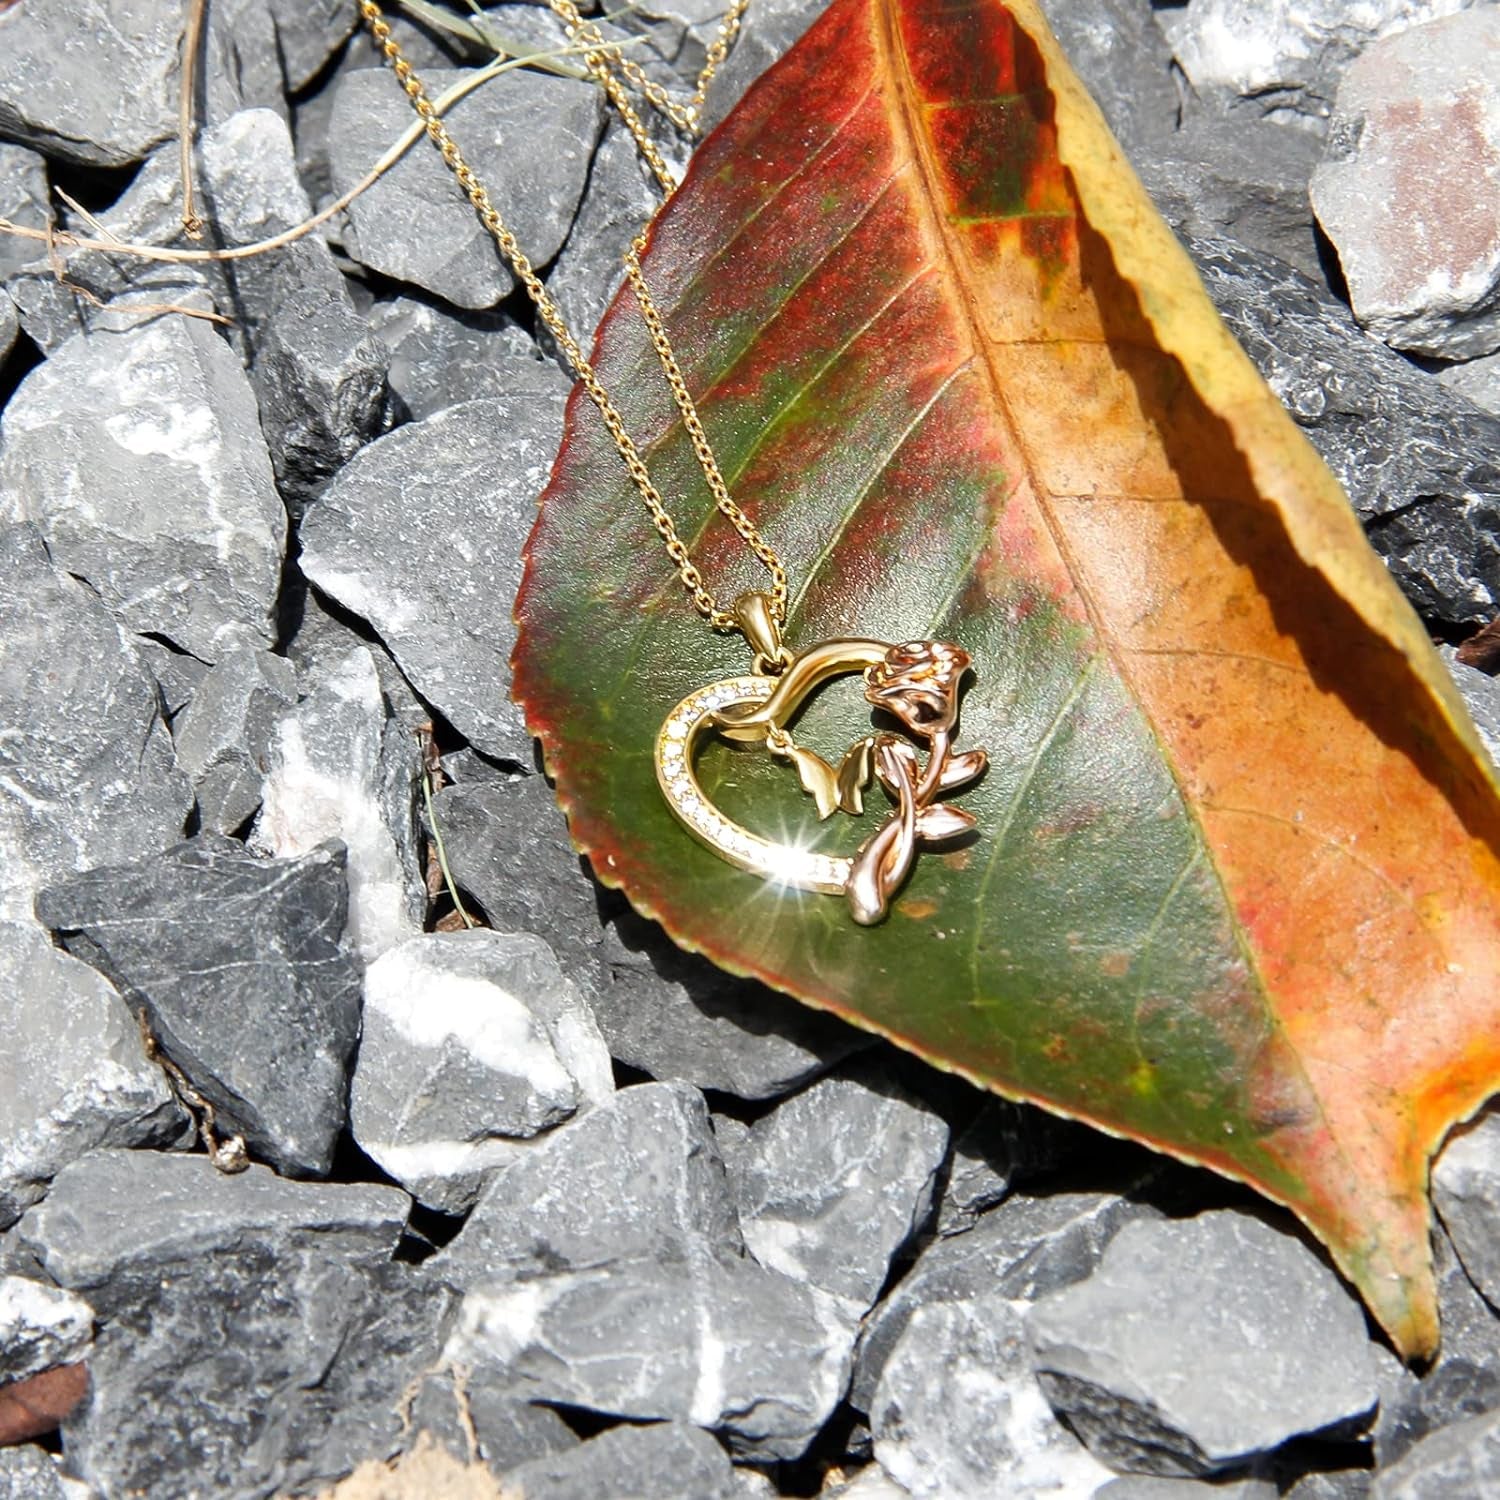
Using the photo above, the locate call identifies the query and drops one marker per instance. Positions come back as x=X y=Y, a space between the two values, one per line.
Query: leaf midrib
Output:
x=904 y=112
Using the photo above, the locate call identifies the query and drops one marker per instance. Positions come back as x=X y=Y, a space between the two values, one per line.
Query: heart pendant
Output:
x=918 y=683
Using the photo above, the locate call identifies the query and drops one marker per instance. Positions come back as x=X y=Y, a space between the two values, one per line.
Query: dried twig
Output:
x=141 y=309
x=174 y=256
x=192 y=40
x=229 y=1154
x=432 y=770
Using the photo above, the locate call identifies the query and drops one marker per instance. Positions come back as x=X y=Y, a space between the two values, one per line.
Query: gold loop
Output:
x=772 y=666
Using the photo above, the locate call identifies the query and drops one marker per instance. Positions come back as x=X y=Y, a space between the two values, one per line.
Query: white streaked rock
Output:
x=140 y=458
x=1284 y=57
x=638 y=1176
x=473 y=1042
x=72 y=1074
x=339 y=767
x=40 y=1326
x=420 y=533
x=717 y=1342
x=959 y=1415
x=836 y=1179
x=1416 y=128
x=89 y=775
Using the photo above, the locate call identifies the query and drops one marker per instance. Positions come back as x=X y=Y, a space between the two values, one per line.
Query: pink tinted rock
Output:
x=1409 y=186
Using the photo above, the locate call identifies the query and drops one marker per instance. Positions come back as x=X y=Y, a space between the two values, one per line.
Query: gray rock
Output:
x=313 y=108
x=620 y=202
x=320 y=643
x=1463 y=1459
x=468 y=767
x=1418 y=462
x=320 y=376
x=668 y=1013
x=256 y=1336
x=1004 y=1145
x=29 y=1473
x=1197 y=1345
x=1027 y=1247
x=177 y=674
x=24 y=200
x=240 y=59
x=472 y=1041
x=224 y=734
x=638 y=1176
x=717 y=1342
x=88 y=761
x=1466 y=1190
x=248 y=190
x=528 y=137
x=241 y=967
x=672 y=37
x=508 y=848
x=91 y=1236
x=251 y=192
x=72 y=1073
x=665 y=1461
x=506 y=1432
x=1462 y=1381
x=440 y=358
x=1154 y=1487
x=140 y=458
x=1120 y=53
x=958 y=1414
x=10 y=328
x=768 y=33
x=93 y=82
x=1481 y=695
x=340 y=767
x=1334 y=1484
x=1477 y=380
x=1417 y=126
x=1245 y=178
x=308 y=33
x=1284 y=58
x=40 y=1326
x=835 y=1180
x=755 y=1484
x=420 y=534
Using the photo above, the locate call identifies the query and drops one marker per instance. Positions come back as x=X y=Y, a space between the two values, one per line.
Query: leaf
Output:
x=854 y=775
x=895 y=763
x=832 y=790
x=943 y=821
x=818 y=778
x=1234 y=891
x=962 y=769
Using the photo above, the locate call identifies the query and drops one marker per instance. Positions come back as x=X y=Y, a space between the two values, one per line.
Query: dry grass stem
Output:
x=54 y=237
x=432 y=773
x=192 y=46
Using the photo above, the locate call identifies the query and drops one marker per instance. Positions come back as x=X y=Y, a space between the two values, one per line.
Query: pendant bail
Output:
x=757 y=622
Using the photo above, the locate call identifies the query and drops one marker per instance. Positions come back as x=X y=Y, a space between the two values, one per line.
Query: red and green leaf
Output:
x=1234 y=890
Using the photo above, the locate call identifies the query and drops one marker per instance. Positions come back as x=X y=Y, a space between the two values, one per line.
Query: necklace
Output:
x=917 y=682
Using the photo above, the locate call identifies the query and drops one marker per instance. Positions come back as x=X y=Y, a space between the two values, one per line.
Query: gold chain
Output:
x=597 y=61
x=686 y=117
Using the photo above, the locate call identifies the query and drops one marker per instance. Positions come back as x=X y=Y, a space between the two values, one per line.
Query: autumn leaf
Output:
x=1233 y=890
